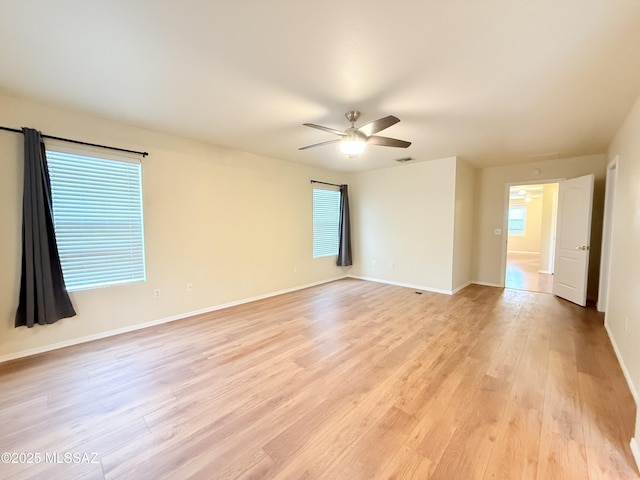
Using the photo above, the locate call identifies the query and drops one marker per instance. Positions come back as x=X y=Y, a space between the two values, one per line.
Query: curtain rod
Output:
x=144 y=154
x=325 y=183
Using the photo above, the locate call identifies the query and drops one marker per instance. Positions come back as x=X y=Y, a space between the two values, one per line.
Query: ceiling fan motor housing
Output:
x=352 y=116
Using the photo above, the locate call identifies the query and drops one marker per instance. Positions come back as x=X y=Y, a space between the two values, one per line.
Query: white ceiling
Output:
x=533 y=191
x=492 y=81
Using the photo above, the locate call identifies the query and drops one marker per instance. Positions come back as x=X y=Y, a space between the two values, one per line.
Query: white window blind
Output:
x=517 y=220
x=326 y=222
x=97 y=212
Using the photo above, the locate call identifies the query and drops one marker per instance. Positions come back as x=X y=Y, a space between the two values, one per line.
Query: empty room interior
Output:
x=328 y=240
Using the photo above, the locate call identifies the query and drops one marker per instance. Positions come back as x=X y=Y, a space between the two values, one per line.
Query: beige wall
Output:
x=403 y=224
x=236 y=225
x=463 y=224
x=530 y=241
x=491 y=194
x=547 y=227
x=623 y=307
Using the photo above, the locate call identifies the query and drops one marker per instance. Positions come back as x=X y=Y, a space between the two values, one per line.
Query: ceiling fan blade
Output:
x=378 y=125
x=326 y=129
x=387 y=142
x=320 y=144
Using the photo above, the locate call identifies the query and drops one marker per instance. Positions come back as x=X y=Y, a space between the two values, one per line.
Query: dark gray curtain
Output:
x=344 y=245
x=43 y=296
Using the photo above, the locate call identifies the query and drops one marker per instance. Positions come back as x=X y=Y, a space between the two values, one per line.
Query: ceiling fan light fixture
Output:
x=352 y=147
x=353 y=144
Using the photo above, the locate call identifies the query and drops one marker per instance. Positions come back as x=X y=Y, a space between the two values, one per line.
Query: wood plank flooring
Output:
x=347 y=380
x=523 y=273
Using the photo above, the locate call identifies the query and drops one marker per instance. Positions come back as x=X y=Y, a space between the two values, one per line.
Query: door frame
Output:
x=554 y=232
x=607 y=230
x=505 y=220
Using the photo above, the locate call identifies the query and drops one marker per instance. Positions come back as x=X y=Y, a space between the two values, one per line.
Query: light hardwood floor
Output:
x=347 y=380
x=523 y=273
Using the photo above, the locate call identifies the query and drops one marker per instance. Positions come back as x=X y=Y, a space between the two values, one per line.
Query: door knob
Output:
x=583 y=247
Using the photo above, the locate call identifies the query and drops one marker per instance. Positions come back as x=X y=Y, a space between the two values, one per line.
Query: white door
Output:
x=575 y=198
x=554 y=229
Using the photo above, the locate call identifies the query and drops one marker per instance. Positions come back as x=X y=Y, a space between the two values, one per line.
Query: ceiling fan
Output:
x=353 y=140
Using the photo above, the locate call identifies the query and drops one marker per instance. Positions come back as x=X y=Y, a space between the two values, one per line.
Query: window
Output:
x=97 y=215
x=517 y=219
x=326 y=222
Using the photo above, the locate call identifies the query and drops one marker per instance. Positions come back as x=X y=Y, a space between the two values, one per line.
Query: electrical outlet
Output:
x=156 y=293
x=392 y=265
x=189 y=287
x=295 y=269
x=373 y=263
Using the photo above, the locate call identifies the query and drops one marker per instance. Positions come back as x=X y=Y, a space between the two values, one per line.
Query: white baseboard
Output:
x=407 y=285
x=625 y=371
x=486 y=284
x=636 y=452
x=464 y=285
x=151 y=323
x=548 y=272
x=520 y=252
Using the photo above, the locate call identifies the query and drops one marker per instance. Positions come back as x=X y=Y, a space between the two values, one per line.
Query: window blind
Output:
x=517 y=219
x=326 y=222
x=97 y=212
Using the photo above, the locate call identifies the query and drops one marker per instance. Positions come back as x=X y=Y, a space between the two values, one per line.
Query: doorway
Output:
x=531 y=237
